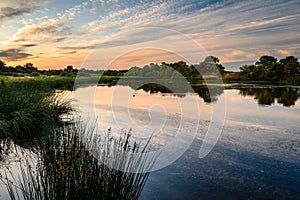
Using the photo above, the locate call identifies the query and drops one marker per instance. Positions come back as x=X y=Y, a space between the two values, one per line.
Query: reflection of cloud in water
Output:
x=162 y=127
x=243 y=116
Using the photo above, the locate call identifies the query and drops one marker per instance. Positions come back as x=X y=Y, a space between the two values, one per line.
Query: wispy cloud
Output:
x=232 y=30
x=46 y=29
x=66 y=49
x=264 y=23
x=15 y=8
x=14 y=54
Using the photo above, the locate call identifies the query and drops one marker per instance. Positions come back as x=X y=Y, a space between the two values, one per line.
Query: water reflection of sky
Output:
x=161 y=115
x=120 y=107
x=244 y=109
x=124 y=107
x=257 y=152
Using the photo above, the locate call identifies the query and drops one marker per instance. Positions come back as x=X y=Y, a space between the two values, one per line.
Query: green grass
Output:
x=28 y=104
x=66 y=169
x=27 y=108
x=41 y=82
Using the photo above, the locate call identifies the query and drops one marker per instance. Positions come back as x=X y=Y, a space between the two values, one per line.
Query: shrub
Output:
x=34 y=74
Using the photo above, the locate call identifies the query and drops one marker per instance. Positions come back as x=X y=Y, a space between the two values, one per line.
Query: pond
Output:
x=256 y=155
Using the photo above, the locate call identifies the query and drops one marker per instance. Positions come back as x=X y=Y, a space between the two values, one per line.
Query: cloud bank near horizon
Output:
x=63 y=33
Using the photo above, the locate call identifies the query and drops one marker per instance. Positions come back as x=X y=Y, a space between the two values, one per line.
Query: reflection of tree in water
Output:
x=155 y=88
x=207 y=93
x=175 y=78
x=267 y=96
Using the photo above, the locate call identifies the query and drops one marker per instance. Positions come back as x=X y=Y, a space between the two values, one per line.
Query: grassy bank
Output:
x=40 y=82
x=28 y=107
x=65 y=169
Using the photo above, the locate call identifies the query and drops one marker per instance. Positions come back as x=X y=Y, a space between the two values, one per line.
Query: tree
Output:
x=266 y=61
x=69 y=68
x=246 y=72
x=266 y=64
x=20 y=69
x=2 y=66
x=277 y=72
x=291 y=66
x=211 y=65
x=30 y=68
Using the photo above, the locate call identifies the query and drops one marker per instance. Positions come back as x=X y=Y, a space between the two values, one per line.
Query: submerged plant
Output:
x=69 y=168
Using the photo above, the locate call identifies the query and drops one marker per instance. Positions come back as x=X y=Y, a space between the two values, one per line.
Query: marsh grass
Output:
x=69 y=169
x=27 y=109
x=5 y=147
x=73 y=161
x=40 y=82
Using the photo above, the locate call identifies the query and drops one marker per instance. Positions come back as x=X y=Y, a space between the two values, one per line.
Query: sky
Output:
x=119 y=34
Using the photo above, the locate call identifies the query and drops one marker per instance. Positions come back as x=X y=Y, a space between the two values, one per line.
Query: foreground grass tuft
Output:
x=68 y=170
x=26 y=110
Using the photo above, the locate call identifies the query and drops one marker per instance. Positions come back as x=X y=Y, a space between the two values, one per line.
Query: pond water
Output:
x=256 y=156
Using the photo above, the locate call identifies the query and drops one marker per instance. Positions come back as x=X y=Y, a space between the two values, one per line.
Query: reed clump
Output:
x=27 y=109
x=67 y=169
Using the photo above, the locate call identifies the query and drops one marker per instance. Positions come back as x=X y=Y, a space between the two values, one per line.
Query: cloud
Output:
x=68 y=52
x=42 y=31
x=232 y=30
x=264 y=23
x=14 y=8
x=29 y=45
x=49 y=30
x=7 y=12
x=59 y=39
x=77 y=47
x=14 y=54
x=129 y=16
x=137 y=36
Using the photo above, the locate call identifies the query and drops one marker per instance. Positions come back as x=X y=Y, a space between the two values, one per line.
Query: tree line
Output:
x=268 y=68
x=30 y=69
x=192 y=72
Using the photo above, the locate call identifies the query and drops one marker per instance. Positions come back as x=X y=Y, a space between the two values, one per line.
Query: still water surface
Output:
x=256 y=156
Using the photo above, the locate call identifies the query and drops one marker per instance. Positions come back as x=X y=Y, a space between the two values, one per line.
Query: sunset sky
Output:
x=57 y=33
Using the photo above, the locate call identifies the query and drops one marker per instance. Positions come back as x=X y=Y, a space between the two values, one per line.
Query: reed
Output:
x=67 y=169
x=27 y=109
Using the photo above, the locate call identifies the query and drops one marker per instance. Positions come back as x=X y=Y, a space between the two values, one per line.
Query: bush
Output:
x=34 y=74
x=64 y=73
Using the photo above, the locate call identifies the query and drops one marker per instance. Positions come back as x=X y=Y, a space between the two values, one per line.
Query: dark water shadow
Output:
x=287 y=96
x=224 y=174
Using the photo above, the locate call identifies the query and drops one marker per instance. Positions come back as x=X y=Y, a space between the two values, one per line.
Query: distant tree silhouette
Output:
x=210 y=65
x=30 y=68
x=69 y=68
x=291 y=66
x=2 y=66
x=269 y=69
